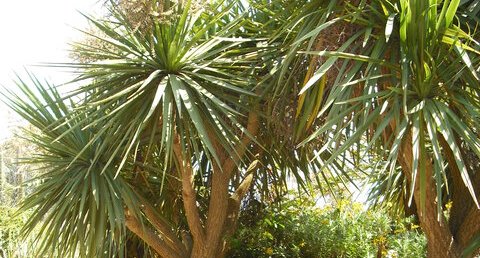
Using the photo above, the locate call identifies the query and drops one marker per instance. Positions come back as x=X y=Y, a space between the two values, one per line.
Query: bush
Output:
x=297 y=228
x=11 y=242
x=406 y=241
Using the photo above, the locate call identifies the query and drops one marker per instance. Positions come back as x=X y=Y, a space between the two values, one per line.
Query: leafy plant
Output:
x=11 y=242
x=406 y=240
x=297 y=228
x=407 y=88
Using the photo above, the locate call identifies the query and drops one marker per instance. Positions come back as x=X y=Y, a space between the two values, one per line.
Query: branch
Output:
x=252 y=128
x=163 y=228
x=464 y=213
x=438 y=234
x=219 y=198
x=234 y=204
x=189 y=194
x=149 y=237
x=247 y=181
x=236 y=198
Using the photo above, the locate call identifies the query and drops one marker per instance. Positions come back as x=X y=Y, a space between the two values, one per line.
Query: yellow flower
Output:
x=357 y=207
x=379 y=240
x=269 y=251
x=448 y=205
x=342 y=204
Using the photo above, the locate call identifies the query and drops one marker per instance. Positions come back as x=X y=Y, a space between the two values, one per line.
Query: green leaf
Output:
x=389 y=26
x=446 y=130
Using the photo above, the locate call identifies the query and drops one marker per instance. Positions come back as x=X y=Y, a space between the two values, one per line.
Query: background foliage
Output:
x=296 y=227
x=14 y=175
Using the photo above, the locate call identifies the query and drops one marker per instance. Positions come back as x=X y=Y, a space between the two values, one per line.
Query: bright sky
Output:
x=33 y=32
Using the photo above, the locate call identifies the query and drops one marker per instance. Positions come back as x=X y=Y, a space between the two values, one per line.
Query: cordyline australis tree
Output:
x=408 y=89
x=165 y=135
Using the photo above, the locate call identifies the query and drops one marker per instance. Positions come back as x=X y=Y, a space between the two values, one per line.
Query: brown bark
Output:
x=217 y=211
x=150 y=238
x=219 y=199
x=440 y=243
x=469 y=226
x=464 y=214
x=409 y=209
x=164 y=229
x=234 y=206
x=189 y=200
x=208 y=241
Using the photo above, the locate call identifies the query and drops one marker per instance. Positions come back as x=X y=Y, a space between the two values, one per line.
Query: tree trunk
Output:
x=230 y=217
x=207 y=239
x=441 y=243
x=464 y=214
x=221 y=208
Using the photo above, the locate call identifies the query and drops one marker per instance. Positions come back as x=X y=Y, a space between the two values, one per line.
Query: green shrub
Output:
x=406 y=241
x=297 y=228
x=11 y=242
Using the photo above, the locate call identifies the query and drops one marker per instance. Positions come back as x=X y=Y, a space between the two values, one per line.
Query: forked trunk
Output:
x=440 y=241
x=209 y=238
x=225 y=218
x=464 y=214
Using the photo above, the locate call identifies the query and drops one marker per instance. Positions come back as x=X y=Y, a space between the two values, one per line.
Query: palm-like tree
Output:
x=408 y=89
x=159 y=109
x=163 y=137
